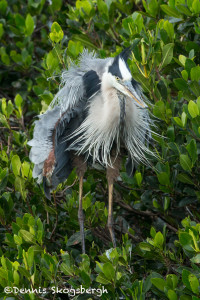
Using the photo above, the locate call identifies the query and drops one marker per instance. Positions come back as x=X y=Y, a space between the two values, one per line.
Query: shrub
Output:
x=157 y=211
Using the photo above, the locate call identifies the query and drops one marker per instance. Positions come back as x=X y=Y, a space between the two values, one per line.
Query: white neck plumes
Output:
x=101 y=128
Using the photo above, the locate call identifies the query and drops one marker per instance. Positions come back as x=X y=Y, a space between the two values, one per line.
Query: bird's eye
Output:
x=117 y=78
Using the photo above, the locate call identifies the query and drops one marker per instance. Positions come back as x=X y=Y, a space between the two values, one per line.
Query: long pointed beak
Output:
x=131 y=92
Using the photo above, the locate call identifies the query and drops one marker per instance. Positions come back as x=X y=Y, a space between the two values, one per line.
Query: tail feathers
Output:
x=131 y=167
x=42 y=142
x=51 y=182
x=47 y=188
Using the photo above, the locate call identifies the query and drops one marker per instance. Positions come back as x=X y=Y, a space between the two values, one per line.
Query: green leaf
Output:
x=17 y=239
x=159 y=110
x=196 y=259
x=152 y=7
x=185 y=275
x=185 y=162
x=163 y=178
x=20 y=22
x=74 y=239
x=192 y=150
x=1 y=30
x=67 y=270
x=46 y=273
x=27 y=236
x=178 y=121
x=4 y=121
x=189 y=64
x=196 y=6
x=172 y=281
x=138 y=178
x=29 y=24
x=3 y=272
x=56 y=34
x=195 y=73
x=85 y=277
x=18 y=100
x=4 y=106
x=182 y=177
x=20 y=186
x=172 y=295
x=143 y=81
x=159 y=240
x=184 y=118
x=184 y=74
x=198 y=103
x=193 y=109
x=85 y=7
x=109 y=271
x=16 y=278
x=145 y=246
x=52 y=60
x=186 y=241
x=180 y=84
x=194 y=283
x=153 y=232
x=195 y=87
x=170 y=133
x=167 y=55
x=24 y=272
x=26 y=169
x=83 y=40
x=184 y=10
x=3 y=6
x=169 y=29
x=102 y=279
x=9 y=108
x=138 y=21
x=172 y=12
x=103 y=9
x=74 y=48
x=159 y=283
x=30 y=256
x=166 y=203
x=4 y=56
x=182 y=59
x=56 y=4
x=16 y=165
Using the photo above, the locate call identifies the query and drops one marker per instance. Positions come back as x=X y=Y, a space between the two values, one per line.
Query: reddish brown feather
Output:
x=50 y=161
x=49 y=164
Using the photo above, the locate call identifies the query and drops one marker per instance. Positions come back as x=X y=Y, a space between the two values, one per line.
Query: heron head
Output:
x=120 y=78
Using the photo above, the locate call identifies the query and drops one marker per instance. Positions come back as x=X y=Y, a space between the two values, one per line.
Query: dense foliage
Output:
x=157 y=219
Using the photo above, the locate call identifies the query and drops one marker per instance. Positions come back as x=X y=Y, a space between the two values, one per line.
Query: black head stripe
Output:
x=114 y=68
x=91 y=83
x=135 y=84
x=125 y=54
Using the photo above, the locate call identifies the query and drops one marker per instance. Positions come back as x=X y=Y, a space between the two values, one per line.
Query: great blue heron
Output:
x=98 y=115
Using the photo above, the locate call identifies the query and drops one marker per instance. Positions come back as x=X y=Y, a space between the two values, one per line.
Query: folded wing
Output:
x=50 y=146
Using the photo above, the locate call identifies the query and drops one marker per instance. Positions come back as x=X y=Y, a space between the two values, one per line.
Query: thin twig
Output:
x=158 y=74
x=139 y=212
x=66 y=188
x=129 y=234
x=9 y=142
x=9 y=128
x=56 y=223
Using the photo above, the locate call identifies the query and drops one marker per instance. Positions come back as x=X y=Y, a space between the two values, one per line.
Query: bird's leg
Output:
x=110 y=212
x=112 y=174
x=81 y=166
x=80 y=213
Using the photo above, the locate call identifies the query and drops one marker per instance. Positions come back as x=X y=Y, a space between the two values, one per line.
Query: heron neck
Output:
x=122 y=105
